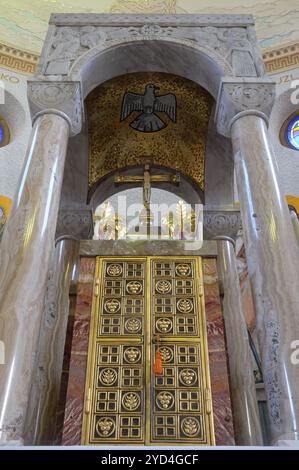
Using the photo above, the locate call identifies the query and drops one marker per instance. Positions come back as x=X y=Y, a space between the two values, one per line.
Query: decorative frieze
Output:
x=19 y=60
x=76 y=223
x=221 y=223
x=230 y=38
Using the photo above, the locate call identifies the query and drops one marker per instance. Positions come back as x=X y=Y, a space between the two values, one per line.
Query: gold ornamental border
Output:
x=18 y=60
x=91 y=369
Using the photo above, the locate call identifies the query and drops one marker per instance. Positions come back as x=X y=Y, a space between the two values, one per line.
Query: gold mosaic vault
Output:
x=180 y=146
x=140 y=305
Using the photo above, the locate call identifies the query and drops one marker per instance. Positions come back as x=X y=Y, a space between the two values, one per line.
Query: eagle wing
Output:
x=131 y=102
x=166 y=104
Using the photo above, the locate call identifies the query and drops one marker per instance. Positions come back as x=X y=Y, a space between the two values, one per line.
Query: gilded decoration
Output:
x=114 y=144
x=126 y=400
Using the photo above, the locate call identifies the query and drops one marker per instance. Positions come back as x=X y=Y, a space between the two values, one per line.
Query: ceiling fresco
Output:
x=23 y=23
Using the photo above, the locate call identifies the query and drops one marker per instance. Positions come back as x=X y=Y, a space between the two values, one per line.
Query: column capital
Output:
x=75 y=223
x=217 y=223
x=62 y=98
x=247 y=96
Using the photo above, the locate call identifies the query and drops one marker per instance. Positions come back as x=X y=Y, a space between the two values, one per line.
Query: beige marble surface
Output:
x=242 y=385
x=273 y=266
x=40 y=427
x=25 y=253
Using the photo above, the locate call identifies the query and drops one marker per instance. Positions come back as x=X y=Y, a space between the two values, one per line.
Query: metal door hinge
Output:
x=88 y=402
x=208 y=400
x=96 y=287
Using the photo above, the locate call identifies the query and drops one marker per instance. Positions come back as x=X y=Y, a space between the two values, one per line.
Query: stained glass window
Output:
x=4 y=133
x=293 y=133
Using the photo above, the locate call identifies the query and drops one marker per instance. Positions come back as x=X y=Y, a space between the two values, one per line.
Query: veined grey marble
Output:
x=229 y=38
x=145 y=248
x=273 y=266
x=242 y=385
x=245 y=95
x=217 y=222
x=75 y=221
x=40 y=426
x=219 y=167
x=57 y=97
x=25 y=253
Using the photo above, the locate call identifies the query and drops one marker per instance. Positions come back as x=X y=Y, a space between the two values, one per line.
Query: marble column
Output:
x=40 y=427
x=295 y=222
x=25 y=253
x=242 y=385
x=273 y=267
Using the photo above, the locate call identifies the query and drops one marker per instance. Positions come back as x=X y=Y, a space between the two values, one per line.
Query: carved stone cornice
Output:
x=75 y=222
x=64 y=97
x=221 y=223
x=228 y=39
x=114 y=19
x=236 y=96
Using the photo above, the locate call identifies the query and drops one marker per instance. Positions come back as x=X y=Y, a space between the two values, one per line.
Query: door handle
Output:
x=156 y=339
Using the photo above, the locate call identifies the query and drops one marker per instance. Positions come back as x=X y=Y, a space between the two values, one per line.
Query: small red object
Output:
x=158 y=366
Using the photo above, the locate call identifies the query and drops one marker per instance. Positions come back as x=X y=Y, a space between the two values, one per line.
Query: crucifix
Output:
x=147 y=179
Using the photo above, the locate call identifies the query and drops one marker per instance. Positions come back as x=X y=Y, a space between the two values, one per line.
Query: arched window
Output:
x=289 y=134
x=4 y=132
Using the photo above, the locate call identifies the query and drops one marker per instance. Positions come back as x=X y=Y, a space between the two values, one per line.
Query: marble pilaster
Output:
x=40 y=426
x=242 y=385
x=24 y=258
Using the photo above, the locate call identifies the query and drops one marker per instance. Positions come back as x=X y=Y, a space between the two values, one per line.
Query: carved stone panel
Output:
x=64 y=97
x=231 y=38
x=77 y=223
x=221 y=223
x=236 y=95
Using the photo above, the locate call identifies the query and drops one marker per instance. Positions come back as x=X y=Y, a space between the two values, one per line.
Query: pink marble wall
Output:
x=78 y=361
x=223 y=421
x=217 y=353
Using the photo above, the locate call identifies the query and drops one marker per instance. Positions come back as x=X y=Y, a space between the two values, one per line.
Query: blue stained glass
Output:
x=293 y=133
x=1 y=134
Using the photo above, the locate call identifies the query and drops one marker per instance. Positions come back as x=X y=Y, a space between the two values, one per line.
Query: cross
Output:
x=147 y=179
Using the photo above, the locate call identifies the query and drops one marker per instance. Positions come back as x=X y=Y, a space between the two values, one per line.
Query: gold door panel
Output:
x=140 y=305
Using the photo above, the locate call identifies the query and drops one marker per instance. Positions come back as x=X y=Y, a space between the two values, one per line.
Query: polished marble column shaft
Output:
x=25 y=254
x=40 y=427
x=242 y=386
x=295 y=223
x=273 y=266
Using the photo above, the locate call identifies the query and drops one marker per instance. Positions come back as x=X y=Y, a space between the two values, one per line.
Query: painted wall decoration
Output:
x=294 y=202
x=24 y=23
x=5 y=205
x=113 y=144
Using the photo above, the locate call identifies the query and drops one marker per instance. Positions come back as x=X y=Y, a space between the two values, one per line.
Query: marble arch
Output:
x=197 y=63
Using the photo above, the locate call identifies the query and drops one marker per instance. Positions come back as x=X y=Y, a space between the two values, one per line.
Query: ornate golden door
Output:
x=141 y=305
